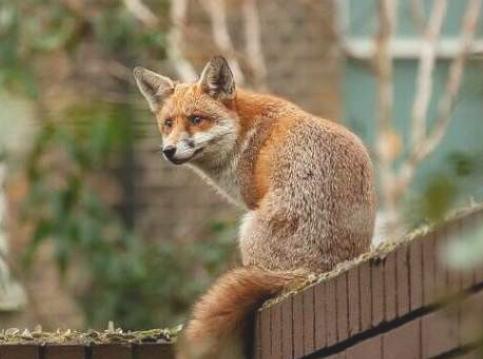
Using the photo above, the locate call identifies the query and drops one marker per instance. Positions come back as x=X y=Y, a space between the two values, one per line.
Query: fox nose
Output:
x=169 y=151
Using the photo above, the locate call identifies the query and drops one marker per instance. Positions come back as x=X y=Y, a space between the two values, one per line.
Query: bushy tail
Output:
x=219 y=317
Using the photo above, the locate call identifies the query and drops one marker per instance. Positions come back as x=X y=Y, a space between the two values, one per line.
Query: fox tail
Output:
x=220 y=317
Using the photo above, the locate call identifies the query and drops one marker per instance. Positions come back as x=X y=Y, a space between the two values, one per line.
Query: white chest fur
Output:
x=224 y=181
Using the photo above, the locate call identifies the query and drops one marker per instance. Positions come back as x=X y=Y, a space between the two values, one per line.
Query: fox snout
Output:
x=181 y=152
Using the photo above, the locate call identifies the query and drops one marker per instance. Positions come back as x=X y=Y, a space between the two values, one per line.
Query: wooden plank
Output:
x=470 y=314
x=23 y=351
x=287 y=329
x=368 y=349
x=56 y=351
x=441 y=271
x=276 y=329
x=454 y=276
x=309 y=318
x=428 y=269
x=377 y=281
x=331 y=312
x=354 y=301
x=415 y=275
x=257 y=337
x=390 y=304
x=298 y=325
x=402 y=280
x=342 y=307
x=403 y=342
x=111 y=351
x=152 y=351
x=439 y=334
x=265 y=334
x=319 y=308
x=365 y=295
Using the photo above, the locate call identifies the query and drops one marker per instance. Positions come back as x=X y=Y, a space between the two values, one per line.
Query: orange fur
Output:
x=219 y=316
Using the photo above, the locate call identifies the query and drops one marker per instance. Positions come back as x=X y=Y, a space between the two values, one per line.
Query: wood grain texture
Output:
x=19 y=351
x=377 y=281
x=353 y=297
x=331 y=312
x=276 y=330
x=342 y=307
x=365 y=295
x=309 y=317
x=111 y=351
x=402 y=280
x=298 y=325
x=416 y=274
x=390 y=294
x=320 y=335
x=367 y=349
x=64 y=352
x=287 y=329
x=403 y=342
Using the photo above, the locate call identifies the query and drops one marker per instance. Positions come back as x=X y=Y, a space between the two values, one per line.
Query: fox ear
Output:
x=153 y=86
x=217 y=79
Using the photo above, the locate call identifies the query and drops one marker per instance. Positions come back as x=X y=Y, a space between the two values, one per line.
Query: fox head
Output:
x=197 y=121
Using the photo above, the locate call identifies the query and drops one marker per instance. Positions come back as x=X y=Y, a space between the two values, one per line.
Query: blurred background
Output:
x=96 y=226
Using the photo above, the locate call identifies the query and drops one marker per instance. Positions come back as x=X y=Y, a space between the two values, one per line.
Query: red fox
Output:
x=305 y=182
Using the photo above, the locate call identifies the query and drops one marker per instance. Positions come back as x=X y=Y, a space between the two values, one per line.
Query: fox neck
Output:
x=222 y=170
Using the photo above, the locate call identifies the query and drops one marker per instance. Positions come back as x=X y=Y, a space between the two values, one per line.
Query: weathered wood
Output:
x=428 y=269
x=153 y=351
x=390 y=305
x=112 y=351
x=56 y=351
x=298 y=325
x=25 y=351
x=308 y=311
x=342 y=307
x=377 y=280
x=331 y=312
x=287 y=328
x=416 y=274
x=266 y=335
x=320 y=328
x=365 y=295
x=403 y=342
x=367 y=349
x=354 y=301
x=439 y=334
x=402 y=280
x=276 y=329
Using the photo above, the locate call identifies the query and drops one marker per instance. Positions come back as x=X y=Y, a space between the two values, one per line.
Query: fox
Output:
x=305 y=183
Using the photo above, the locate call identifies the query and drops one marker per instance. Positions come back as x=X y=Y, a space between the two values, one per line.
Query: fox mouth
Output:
x=180 y=161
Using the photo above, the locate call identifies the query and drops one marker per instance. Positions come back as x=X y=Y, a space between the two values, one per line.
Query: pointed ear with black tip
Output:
x=154 y=87
x=217 y=79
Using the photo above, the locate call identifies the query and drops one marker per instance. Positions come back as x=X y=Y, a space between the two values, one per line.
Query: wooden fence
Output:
x=402 y=304
x=97 y=351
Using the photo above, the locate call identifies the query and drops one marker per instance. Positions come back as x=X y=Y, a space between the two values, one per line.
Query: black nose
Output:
x=169 y=151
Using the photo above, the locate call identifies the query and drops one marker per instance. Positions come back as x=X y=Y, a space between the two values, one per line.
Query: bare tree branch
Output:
x=217 y=12
x=417 y=13
x=253 y=43
x=183 y=67
x=142 y=13
x=426 y=65
x=384 y=72
x=446 y=104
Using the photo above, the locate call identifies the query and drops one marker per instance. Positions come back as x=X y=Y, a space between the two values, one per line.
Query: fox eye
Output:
x=195 y=120
x=168 y=123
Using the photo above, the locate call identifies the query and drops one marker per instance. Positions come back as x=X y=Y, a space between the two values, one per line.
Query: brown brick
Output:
x=368 y=349
x=342 y=307
x=331 y=312
x=377 y=281
x=298 y=325
x=402 y=280
x=309 y=318
x=365 y=295
x=24 y=351
x=111 y=351
x=390 y=304
x=439 y=334
x=319 y=308
x=403 y=342
x=416 y=274
x=276 y=330
x=354 y=301
x=287 y=329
